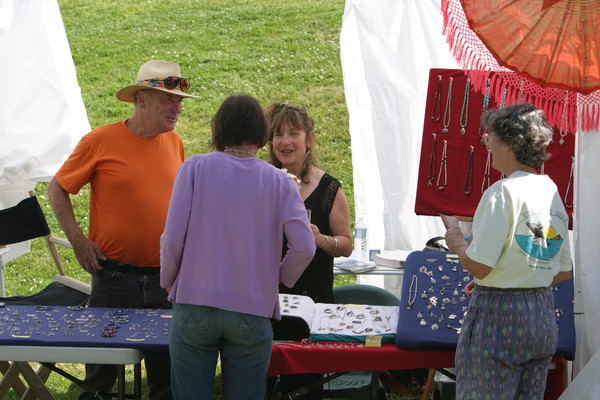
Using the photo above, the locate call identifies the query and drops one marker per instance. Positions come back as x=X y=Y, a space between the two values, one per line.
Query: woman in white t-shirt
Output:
x=520 y=248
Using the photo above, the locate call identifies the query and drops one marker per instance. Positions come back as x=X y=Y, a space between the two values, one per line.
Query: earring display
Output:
x=435 y=317
x=352 y=320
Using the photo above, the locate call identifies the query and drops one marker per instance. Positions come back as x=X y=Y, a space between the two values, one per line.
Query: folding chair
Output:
x=26 y=221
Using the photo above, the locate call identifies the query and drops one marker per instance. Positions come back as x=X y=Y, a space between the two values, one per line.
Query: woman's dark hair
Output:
x=282 y=115
x=240 y=120
x=524 y=127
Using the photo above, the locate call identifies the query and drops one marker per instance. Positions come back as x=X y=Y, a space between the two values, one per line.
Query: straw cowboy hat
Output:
x=157 y=75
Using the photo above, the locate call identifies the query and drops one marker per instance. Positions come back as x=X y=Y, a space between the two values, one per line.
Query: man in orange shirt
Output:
x=130 y=166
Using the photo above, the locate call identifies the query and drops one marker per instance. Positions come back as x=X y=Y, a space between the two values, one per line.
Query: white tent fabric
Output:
x=586 y=386
x=587 y=250
x=387 y=50
x=42 y=115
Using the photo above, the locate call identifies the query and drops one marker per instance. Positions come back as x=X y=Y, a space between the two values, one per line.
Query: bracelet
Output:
x=335 y=248
x=326 y=240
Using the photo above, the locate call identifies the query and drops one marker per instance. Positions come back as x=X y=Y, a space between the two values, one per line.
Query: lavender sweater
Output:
x=221 y=246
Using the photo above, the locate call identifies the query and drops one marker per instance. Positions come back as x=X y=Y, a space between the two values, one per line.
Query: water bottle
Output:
x=360 y=242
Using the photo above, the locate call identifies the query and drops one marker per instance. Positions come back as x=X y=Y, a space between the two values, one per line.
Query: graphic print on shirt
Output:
x=540 y=239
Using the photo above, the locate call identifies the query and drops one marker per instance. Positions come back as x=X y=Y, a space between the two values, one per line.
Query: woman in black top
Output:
x=290 y=147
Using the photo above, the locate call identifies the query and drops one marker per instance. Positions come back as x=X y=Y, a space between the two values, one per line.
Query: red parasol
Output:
x=546 y=52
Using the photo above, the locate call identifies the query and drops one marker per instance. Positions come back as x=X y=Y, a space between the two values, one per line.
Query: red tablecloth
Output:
x=297 y=358
x=322 y=357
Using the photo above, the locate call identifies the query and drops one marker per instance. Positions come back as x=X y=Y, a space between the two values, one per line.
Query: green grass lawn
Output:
x=272 y=50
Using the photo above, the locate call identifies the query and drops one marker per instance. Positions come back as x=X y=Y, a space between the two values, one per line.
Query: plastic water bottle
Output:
x=360 y=242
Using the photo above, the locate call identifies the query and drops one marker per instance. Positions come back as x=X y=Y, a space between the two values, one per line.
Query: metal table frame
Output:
x=21 y=356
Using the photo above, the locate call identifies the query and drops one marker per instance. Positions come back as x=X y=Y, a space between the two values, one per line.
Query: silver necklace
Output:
x=486 y=173
x=437 y=101
x=447 y=111
x=464 y=112
x=237 y=152
x=486 y=103
x=563 y=122
x=431 y=170
x=443 y=167
x=412 y=291
x=468 y=186
x=567 y=204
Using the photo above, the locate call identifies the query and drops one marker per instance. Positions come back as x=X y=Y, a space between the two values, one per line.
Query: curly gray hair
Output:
x=523 y=126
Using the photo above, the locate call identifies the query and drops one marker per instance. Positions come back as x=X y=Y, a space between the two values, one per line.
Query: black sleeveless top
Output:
x=317 y=279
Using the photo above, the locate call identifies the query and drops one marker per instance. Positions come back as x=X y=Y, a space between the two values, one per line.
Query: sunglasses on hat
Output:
x=170 y=82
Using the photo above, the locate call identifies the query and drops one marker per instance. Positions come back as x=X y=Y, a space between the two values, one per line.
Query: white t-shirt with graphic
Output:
x=520 y=229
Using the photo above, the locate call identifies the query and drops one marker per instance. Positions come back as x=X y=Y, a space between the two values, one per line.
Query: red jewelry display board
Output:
x=455 y=167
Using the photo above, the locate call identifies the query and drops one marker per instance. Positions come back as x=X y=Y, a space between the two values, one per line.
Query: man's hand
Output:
x=87 y=253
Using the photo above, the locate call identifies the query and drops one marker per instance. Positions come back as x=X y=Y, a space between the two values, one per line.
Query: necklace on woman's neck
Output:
x=237 y=152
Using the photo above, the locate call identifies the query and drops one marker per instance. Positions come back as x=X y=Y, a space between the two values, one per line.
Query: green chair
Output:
x=359 y=385
x=364 y=294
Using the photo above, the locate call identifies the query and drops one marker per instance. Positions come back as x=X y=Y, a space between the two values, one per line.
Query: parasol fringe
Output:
x=590 y=117
x=584 y=118
x=457 y=43
x=595 y=116
x=505 y=94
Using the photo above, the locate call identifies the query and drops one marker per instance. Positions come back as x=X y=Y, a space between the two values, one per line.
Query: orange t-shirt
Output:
x=131 y=179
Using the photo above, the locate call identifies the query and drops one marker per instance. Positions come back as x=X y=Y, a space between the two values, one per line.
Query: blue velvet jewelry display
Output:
x=77 y=326
x=433 y=304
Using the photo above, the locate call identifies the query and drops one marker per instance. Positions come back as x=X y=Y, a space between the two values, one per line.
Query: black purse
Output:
x=434 y=245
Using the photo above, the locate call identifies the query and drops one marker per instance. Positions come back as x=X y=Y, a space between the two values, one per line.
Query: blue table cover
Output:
x=142 y=329
x=439 y=275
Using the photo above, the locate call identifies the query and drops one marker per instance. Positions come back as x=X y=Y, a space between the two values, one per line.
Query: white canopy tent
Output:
x=387 y=50
x=42 y=115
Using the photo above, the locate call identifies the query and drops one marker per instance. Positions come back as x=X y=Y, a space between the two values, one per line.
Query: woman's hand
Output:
x=321 y=241
x=454 y=238
x=469 y=288
x=339 y=223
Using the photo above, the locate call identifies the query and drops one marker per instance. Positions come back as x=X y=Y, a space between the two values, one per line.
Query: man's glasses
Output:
x=170 y=82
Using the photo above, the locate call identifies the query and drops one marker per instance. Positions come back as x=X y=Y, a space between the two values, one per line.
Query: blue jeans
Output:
x=122 y=290
x=199 y=333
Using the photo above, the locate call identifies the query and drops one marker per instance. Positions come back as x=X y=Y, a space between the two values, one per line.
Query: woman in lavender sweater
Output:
x=221 y=256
